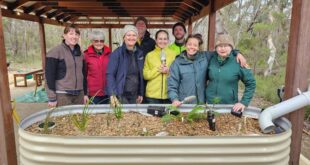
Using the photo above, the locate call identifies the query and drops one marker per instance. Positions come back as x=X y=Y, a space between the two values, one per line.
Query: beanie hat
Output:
x=128 y=28
x=141 y=18
x=96 y=35
x=178 y=24
x=224 y=39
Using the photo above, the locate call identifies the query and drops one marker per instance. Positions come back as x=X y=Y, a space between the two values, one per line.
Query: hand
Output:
x=176 y=103
x=52 y=104
x=240 y=59
x=238 y=106
x=163 y=69
x=114 y=101
x=139 y=99
x=86 y=99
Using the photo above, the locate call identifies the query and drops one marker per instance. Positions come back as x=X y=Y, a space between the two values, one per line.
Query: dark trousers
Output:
x=128 y=98
x=68 y=99
x=100 y=99
x=157 y=101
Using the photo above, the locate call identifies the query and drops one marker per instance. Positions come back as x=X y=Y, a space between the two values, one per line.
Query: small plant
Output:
x=118 y=111
x=80 y=121
x=211 y=113
x=172 y=113
x=47 y=123
x=195 y=114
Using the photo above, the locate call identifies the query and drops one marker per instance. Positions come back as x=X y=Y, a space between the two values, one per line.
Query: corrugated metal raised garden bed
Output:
x=109 y=142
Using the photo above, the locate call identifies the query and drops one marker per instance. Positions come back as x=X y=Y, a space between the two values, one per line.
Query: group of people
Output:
x=144 y=70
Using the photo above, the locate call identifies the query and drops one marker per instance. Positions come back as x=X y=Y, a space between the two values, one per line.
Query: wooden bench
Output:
x=38 y=77
x=24 y=76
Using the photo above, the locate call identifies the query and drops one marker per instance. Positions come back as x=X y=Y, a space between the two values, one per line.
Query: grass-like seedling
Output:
x=80 y=121
x=47 y=122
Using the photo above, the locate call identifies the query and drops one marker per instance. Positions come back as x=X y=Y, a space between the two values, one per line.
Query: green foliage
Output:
x=118 y=111
x=81 y=120
x=167 y=118
x=266 y=87
x=196 y=113
x=307 y=113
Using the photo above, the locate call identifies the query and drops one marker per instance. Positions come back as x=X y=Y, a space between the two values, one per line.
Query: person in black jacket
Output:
x=145 y=42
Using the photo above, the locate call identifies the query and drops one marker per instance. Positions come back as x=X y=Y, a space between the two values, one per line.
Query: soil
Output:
x=136 y=124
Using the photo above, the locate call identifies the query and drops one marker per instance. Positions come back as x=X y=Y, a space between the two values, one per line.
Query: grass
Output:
x=266 y=87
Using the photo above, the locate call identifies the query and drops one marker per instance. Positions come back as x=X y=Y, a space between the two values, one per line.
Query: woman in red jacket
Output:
x=96 y=59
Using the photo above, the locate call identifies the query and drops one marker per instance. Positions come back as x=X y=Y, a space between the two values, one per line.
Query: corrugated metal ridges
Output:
x=224 y=150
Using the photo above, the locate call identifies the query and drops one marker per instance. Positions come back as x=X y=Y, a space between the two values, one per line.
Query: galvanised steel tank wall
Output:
x=38 y=149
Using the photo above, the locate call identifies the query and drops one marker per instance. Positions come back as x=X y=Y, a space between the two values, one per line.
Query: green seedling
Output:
x=81 y=121
x=195 y=114
x=172 y=113
x=47 y=121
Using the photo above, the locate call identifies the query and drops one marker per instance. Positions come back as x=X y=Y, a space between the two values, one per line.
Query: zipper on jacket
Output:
x=75 y=70
x=218 y=80
x=196 y=94
x=162 y=85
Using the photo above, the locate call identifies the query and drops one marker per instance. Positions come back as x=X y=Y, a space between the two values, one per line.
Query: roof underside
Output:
x=109 y=13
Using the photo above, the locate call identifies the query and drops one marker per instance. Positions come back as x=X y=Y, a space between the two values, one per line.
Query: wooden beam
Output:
x=149 y=26
x=212 y=26
x=27 y=17
x=222 y=3
x=297 y=69
x=110 y=38
x=43 y=11
x=16 y=4
x=32 y=8
x=42 y=42
x=190 y=26
x=218 y=4
x=7 y=138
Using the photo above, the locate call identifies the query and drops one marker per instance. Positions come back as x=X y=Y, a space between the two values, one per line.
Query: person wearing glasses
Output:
x=96 y=58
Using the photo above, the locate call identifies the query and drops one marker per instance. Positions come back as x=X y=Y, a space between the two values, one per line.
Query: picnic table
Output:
x=37 y=76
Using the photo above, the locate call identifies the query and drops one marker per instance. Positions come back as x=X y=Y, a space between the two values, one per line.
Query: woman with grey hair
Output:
x=96 y=61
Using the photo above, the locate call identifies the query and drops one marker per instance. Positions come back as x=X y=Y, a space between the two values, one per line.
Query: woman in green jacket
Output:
x=224 y=74
x=188 y=72
x=156 y=69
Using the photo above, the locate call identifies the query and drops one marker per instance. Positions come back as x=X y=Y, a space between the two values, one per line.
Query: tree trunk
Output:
x=272 y=49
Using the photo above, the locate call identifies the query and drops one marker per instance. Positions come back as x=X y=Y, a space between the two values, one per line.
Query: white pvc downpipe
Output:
x=268 y=115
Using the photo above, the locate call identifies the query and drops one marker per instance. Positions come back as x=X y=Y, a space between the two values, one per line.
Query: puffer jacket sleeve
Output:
x=174 y=81
x=149 y=73
x=250 y=84
x=111 y=72
x=50 y=73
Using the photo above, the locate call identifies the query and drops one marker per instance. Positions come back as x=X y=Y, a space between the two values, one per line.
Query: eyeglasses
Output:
x=96 y=41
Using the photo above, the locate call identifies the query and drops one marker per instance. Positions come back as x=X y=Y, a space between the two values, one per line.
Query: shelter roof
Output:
x=109 y=13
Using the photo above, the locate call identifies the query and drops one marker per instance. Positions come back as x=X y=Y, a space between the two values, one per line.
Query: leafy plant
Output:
x=173 y=113
x=81 y=120
x=196 y=113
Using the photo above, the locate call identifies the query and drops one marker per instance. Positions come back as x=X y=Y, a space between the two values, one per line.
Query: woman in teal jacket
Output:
x=224 y=74
x=188 y=73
